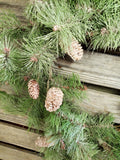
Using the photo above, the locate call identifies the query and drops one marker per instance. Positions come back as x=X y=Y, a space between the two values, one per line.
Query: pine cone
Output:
x=75 y=51
x=43 y=142
x=54 y=99
x=33 y=89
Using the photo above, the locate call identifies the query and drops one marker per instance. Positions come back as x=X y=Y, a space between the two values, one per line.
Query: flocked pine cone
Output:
x=43 y=142
x=33 y=89
x=75 y=51
x=54 y=99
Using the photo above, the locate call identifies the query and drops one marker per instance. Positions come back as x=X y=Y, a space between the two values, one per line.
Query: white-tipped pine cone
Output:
x=75 y=51
x=54 y=99
x=33 y=89
x=43 y=142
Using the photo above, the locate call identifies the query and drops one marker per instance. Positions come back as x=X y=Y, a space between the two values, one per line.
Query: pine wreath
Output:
x=28 y=52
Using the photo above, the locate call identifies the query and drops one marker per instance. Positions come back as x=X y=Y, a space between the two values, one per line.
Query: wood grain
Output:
x=18 y=136
x=13 y=153
x=96 y=68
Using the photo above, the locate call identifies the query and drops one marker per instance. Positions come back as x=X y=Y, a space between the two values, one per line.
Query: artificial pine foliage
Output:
x=27 y=56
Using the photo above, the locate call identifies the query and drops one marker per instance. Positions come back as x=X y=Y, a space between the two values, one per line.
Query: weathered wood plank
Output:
x=96 y=68
x=102 y=102
x=9 y=117
x=18 y=136
x=13 y=153
x=16 y=6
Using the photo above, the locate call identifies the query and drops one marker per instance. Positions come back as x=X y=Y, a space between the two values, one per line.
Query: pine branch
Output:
x=7 y=59
x=65 y=25
x=35 y=59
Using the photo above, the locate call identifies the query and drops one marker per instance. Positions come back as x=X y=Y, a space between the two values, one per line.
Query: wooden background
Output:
x=99 y=72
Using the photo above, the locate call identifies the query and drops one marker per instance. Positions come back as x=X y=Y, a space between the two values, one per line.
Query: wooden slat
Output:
x=13 y=153
x=18 y=136
x=20 y=3
x=8 y=117
x=96 y=68
x=16 y=6
x=102 y=102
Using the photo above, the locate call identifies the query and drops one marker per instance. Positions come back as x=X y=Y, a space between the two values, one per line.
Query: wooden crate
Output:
x=99 y=72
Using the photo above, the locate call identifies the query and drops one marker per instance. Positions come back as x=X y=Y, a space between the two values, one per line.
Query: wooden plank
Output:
x=96 y=68
x=102 y=102
x=14 y=2
x=15 y=6
x=18 y=136
x=8 y=117
x=13 y=153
